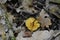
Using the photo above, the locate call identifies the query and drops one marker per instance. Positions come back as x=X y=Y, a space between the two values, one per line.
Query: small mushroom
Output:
x=32 y=24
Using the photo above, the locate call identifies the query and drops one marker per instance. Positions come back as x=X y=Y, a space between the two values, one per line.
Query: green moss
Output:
x=13 y=38
x=56 y=1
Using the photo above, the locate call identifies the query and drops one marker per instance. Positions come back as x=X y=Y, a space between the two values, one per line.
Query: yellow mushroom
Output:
x=32 y=24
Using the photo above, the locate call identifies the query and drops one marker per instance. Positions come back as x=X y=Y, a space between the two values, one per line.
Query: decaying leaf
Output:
x=27 y=5
x=10 y=17
x=2 y=1
x=8 y=20
x=27 y=2
x=44 y=19
x=2 y=32
x=55 y=1
x=54 y=9
x=27 y=34
x=1 y=28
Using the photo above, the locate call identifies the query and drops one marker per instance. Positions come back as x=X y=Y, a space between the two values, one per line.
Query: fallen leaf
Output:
x=44 y=19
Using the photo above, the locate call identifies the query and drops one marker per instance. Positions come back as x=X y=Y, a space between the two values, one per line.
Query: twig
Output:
x=55 y=36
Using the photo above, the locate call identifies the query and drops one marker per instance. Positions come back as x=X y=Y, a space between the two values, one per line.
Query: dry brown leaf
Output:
x=44 y=19
x=2 y=31
x=26 y=5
